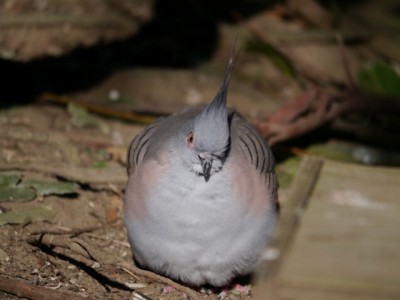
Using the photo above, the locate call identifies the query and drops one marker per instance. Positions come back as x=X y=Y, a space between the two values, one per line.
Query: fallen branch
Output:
x=143 y=118
x=323 y=103
x=316 y=107
x=24 y=289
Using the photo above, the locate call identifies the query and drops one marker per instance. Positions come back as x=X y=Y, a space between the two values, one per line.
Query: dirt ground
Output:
x=70 y=243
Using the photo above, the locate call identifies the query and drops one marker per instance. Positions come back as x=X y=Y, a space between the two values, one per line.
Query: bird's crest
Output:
x=212 y=124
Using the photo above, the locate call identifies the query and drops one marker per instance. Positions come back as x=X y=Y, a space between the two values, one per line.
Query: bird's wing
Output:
x=139 y=147
x=256 y=150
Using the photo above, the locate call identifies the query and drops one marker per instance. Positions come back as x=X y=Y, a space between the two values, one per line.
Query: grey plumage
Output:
x=201 y=197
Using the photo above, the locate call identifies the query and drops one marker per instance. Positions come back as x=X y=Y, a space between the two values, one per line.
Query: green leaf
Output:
x=379 y=78
x=278 y=58
x=16 y=194
x=8 y=179
x=53 y=188
x=34 y=214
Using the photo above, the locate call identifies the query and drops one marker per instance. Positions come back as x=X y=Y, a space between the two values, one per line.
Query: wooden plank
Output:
x=348 y=244
x=299 y=194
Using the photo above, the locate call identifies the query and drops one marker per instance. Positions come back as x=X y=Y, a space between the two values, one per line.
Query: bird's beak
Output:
x=206 y=169
x=206 y=162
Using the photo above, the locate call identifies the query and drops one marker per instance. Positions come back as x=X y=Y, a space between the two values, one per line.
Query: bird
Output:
x=201 y=199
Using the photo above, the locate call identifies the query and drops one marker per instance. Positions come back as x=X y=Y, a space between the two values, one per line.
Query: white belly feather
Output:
x=196 y=232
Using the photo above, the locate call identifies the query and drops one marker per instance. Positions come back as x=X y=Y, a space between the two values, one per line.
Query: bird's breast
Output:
x=189 y=199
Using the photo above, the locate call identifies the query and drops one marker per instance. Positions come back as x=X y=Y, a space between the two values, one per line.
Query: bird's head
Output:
x=207 y=139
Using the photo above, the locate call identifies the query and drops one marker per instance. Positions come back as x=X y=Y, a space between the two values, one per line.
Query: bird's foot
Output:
x=235 y=290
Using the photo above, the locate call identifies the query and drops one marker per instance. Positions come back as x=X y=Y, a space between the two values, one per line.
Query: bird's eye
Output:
x=190 y=139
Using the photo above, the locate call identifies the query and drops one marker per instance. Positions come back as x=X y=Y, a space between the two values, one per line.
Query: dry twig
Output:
x=153 y=276
x=66 y=230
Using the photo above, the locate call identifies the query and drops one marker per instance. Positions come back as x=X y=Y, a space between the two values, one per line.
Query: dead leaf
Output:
x=8 y=179
x=16 y=194
x=34 y=214
x=53 y=188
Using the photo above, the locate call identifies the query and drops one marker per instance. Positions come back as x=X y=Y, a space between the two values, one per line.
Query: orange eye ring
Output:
x=190 y=138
